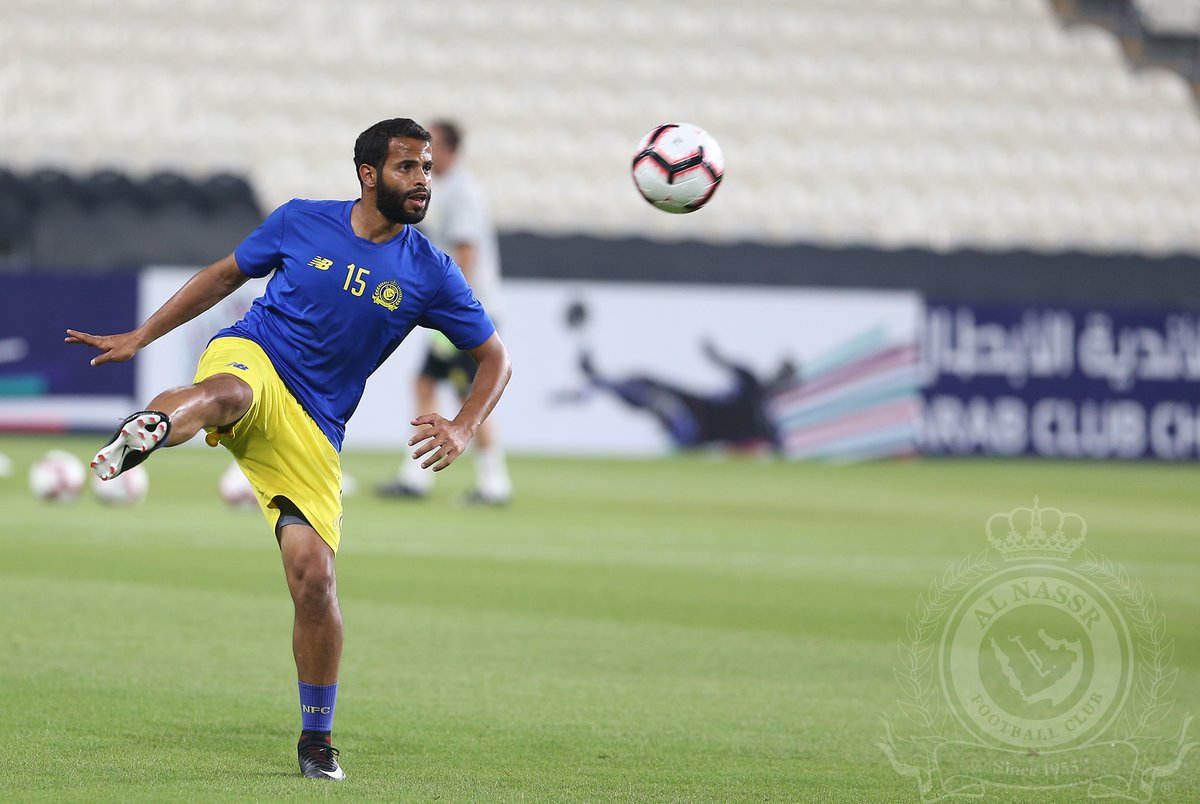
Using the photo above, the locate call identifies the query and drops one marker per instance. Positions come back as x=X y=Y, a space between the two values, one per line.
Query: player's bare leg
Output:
x=316 y=641
x=317 y=630
x=492 y=483
x=171 y=418
x=217 y=401
x=426 y=394
x=413 y=481
x=485 y=436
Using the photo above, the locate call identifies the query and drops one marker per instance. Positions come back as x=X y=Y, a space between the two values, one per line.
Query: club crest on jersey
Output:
x=387 y=294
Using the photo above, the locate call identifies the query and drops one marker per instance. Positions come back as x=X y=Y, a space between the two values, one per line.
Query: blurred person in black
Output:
x=736 y=417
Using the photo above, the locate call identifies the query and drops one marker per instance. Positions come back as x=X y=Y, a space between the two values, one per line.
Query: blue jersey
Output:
x=339 y=305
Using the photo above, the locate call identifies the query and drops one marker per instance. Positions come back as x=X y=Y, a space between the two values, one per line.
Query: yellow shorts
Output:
x=280 y=448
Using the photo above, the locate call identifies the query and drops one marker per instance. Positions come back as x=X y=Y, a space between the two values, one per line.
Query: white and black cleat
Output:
x=132 y=443
x=319 y=759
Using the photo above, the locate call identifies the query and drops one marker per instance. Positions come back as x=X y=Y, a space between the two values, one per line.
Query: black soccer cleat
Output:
x=318 y=759
x=399 y=489
x=477 y=499
x=132 y=443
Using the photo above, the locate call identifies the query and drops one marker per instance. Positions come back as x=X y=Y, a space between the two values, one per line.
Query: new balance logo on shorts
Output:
x=241 y=366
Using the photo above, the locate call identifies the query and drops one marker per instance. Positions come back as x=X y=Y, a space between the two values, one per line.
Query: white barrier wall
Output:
x=657 y=331
x=651 y=330
x=993 y=379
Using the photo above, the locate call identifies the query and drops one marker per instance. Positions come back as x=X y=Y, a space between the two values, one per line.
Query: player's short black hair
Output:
x=451 y=134
x=371 y=147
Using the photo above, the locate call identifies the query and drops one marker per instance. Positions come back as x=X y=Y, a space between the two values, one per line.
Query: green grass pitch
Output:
x=691 y=629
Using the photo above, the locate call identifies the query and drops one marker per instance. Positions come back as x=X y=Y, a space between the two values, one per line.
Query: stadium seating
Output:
x=927 y=123
x=1153 y=33
x=1170 y=16
x=51 y=219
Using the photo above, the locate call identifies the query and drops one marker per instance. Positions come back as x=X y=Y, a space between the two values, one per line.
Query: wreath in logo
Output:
x=387 y=294
x=940 y=751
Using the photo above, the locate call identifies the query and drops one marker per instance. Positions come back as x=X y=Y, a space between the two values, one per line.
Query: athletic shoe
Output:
x=318 y=759
x=398 y=488
x=477 y=498
x=132 y=443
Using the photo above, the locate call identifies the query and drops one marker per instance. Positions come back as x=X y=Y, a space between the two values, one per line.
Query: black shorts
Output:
x=458 y=370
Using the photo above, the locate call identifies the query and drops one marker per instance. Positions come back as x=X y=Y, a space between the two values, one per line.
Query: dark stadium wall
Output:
x=34 y=313
x=969 y=276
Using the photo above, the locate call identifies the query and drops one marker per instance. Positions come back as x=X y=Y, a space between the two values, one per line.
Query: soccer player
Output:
x=351 y=280
x=460 y=225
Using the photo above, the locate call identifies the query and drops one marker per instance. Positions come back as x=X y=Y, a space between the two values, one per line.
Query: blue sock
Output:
x=316 y=707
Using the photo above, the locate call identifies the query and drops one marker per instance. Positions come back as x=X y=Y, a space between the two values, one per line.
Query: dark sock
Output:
x=316 y=707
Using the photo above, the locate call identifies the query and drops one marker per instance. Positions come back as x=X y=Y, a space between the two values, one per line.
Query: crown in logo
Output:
x=1036 y=533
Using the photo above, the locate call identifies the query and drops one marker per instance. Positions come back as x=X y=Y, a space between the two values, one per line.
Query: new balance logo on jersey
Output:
x=239 y=366
x=321 y=264
x=324 y=710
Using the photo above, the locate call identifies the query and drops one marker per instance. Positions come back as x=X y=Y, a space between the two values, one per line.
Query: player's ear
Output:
x=366 y=175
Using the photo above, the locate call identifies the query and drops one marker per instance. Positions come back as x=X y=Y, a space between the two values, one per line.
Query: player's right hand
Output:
x=448 y=438
x=113 y=348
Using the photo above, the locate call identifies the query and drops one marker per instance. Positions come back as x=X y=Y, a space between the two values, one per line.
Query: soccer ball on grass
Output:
x=57 y=477
x=235 y=489
x=127 y=488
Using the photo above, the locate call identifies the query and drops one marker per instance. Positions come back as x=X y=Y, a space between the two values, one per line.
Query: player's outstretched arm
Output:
x=201 y=292
x=445 y=438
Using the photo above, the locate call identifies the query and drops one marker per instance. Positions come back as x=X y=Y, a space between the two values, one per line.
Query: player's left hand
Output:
x=446 y=439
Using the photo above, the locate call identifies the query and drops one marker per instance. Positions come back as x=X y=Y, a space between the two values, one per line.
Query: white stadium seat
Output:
x=937 y=123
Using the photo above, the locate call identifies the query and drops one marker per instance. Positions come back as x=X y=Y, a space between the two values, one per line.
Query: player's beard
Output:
x=390 y=203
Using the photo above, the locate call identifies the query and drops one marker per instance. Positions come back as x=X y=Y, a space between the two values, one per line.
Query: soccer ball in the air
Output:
x=57 y=476
x=127 y=488
x=677 y=167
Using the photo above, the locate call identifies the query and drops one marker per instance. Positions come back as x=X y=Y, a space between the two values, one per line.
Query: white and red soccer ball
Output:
x=57 y=476
x=235 y=489
x=678 y=167
x=128 y=488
